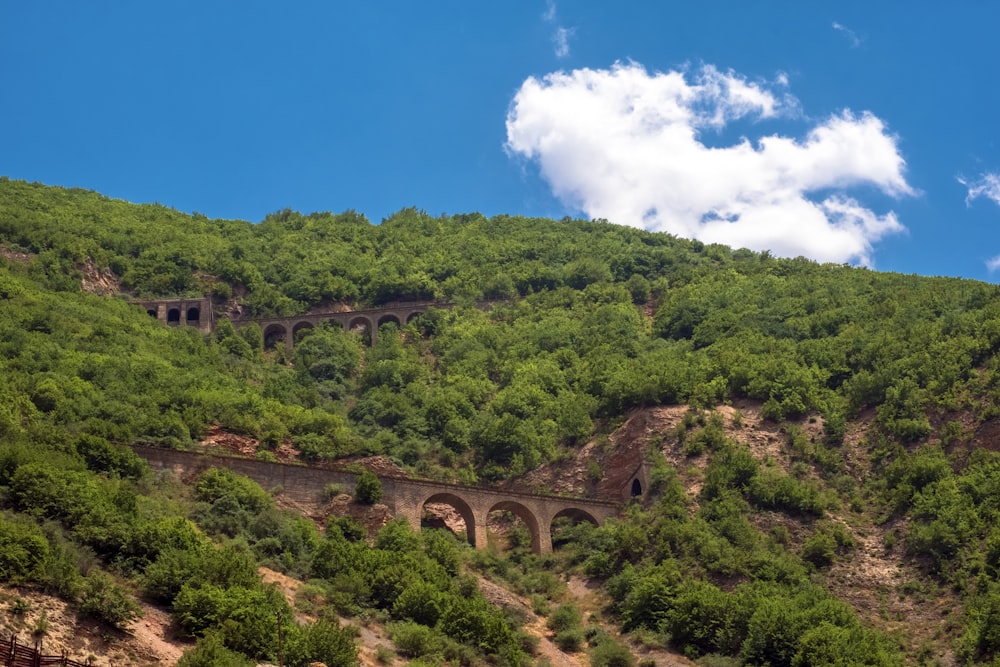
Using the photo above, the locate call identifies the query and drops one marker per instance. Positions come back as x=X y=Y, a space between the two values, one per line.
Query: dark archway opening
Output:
x=511 y=526
x=151 y=312
x=636 y=488
x=361 y=326
x=194 y=315
x=449 y=512
x=174 y=316
x=570 y=525
x=273 y=335
x=300 y=330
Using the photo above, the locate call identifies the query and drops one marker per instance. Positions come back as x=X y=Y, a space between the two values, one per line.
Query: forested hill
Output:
x=734 y=554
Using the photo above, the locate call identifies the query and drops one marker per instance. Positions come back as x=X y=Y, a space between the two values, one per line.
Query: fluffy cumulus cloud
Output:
x=633 y=147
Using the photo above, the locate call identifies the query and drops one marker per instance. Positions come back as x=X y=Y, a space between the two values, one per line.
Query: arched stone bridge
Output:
x=176 y=312
x=276 y=329
x=407 y=498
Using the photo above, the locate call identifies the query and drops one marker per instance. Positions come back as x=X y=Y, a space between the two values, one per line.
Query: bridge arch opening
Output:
x=363 y=327
x=174 y=316
x=414 y=315
x=388 y=318
x=502 y=523
x=567 y=524
x=434 y=513
x=298 y=328
x=273 y=335
x=151 y=312
x=193 y=314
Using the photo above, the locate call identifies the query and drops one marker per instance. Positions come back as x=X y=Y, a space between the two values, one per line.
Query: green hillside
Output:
x=590 y=324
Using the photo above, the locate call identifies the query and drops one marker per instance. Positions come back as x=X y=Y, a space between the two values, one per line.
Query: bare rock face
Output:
x=102 y=282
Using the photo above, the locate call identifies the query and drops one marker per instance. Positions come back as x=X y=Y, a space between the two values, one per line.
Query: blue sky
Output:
x=849 y=132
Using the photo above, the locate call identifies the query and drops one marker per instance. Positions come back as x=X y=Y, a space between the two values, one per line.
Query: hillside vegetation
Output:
x=884 y=389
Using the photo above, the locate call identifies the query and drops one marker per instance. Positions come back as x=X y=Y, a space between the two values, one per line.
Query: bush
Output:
x=414 y=640
x=368 y=488
x=565 y=617
x=106 y=601
x=610 y=653
x=570 y=641
x=23 y=550
x=211 y=652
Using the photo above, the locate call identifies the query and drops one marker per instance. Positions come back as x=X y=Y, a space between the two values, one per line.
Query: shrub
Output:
x=414 y=640
x=565 y=617
x=106 y=601
x=211 y=652
x=570 y=641
x=610 y=653
x=368 y=488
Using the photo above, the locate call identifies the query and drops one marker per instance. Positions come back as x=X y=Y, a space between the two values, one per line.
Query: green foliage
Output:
x=210 y=651
x=467 y=394
x=564 y=617
x=106 y=601
x=324 y=641
x=23 y=550
x=368 y=488
x=610 y=653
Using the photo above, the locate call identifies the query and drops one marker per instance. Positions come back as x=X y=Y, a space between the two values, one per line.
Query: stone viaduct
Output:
x=198 y=313
x=406 y=498
x=175 y=312
x=277 y=329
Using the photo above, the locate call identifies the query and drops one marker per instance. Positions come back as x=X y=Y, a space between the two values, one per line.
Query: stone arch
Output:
x=334 y=322
x=299 y=327
x=413 y=315
x=525 y=515
x=152 y=312
x=174 y=316
x=363 y=326
x=273 y=334
x=462 y=507
x=193 y=314
x=575 y=514
x=636 y=489
x=389 y=318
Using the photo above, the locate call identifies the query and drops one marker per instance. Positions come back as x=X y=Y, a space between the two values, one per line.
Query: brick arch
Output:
x=462 y=507
x=273 y=333
x=300 y=326
x=174 y=316
x=576 y=514
x=525 y=515
x=413 y=314
x=360 y=321
x=193 y=314
x=387 y=318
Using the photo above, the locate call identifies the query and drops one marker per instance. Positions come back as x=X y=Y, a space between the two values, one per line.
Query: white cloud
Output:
x=993 y=264
x=852 y=36
x=626 y=145
x=987 y=185
x=550 y=11
x=560 y=39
